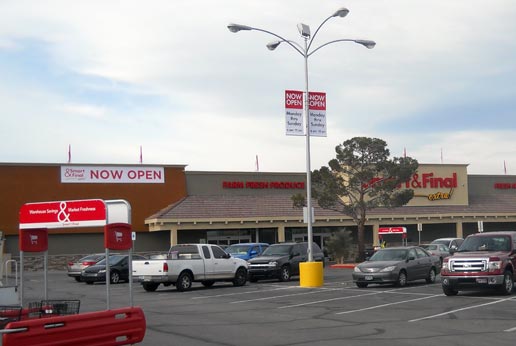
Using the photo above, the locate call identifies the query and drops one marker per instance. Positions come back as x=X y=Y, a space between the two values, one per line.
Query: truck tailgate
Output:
x=148 y=267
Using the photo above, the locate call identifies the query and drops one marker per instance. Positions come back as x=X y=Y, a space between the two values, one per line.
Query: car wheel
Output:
x=89 y=282
x=184 y=282
x=430 y=279
x=508 y=283
x=284 y=273
x=150 y=286
x=78 y=278
x=361 y=284
x=449 y=291
x=402 y=279
x=240 y=277
x=207 y=283
x=114 y=277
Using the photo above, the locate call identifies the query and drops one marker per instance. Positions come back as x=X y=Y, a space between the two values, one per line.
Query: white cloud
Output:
x=171 y=77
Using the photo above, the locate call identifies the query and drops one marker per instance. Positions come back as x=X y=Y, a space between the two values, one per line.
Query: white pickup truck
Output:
x=187 y=263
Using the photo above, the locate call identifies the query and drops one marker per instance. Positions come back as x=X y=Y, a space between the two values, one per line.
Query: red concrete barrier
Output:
x=125 y=326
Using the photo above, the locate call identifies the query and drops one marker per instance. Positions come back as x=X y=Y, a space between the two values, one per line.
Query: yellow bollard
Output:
x=311 y=274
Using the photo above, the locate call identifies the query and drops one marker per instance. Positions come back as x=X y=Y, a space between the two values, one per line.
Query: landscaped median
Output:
x=344 y=265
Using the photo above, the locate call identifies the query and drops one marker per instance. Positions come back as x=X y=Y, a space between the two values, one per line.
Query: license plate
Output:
x=369 y=277
x=482 y=280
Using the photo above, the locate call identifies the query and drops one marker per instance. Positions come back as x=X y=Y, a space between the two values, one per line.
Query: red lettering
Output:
x=105 y=174
x=502 y=186
x=232 y=185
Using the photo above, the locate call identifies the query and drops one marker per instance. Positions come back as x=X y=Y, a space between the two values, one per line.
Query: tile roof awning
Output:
x=214 y=211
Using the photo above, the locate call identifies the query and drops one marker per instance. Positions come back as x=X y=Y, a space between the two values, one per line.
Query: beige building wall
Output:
x=439 y=184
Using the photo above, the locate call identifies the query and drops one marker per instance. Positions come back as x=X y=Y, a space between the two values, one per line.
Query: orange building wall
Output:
x=26 y=183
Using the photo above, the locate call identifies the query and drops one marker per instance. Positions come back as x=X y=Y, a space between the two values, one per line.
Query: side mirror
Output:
x=453 y=249
x=253 y=253
x=411 y=258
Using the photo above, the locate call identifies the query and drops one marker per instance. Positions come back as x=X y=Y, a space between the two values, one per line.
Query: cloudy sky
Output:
x=107 y=77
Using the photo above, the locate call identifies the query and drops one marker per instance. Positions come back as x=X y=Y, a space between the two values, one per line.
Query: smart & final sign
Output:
x=63 y=214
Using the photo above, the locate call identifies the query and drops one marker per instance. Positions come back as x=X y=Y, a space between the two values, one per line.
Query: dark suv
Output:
x=281 y=261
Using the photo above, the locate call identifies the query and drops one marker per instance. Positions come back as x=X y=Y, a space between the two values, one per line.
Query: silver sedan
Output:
x=397 y=265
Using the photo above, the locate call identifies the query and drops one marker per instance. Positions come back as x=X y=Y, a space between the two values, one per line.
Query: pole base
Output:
x=311 y=274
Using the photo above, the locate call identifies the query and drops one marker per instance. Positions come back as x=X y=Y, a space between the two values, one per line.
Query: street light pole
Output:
x=309 y=220
x=304 y=30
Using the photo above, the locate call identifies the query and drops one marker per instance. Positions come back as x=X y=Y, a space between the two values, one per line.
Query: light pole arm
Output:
x=365 y=43
x=238 y=27
x=316 y=31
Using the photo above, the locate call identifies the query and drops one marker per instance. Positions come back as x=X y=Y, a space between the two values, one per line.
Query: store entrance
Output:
x=228 y=239
x=317 y=238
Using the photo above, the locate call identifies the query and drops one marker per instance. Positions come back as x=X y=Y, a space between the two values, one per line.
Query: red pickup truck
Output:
x=483 y=261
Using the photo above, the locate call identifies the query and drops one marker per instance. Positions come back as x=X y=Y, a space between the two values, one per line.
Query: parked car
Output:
x=118 y=269
x=75 y=268
x=397 y=265
x=440 y=250
x=281 y=261
x=246 y=251
x=452 y=243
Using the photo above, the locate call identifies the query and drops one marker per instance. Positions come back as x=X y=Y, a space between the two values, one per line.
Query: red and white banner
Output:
x=63 y=214
x=392 y=230
x=317 y=110
x=113 y=174
x=294 y=113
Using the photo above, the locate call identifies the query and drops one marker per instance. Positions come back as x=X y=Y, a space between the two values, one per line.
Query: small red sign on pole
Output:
x=117 y=236
x=33 y=240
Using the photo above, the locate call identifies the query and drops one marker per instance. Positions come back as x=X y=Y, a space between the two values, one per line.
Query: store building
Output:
x=224 y=208
x=171 y=205
x=147 y=188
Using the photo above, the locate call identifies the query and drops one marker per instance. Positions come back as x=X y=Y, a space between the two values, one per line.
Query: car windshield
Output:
x=441 y=241
x=430 y=247
x=277 y=250
x=112 y=260
x=237 y=249
x=486 y=243
x=389 y=255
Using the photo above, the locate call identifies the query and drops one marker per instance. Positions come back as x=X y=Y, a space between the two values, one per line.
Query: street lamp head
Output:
x=237 y=27
x=341 y=12
x=303 y=29
x=366 y=43
x=273 y=45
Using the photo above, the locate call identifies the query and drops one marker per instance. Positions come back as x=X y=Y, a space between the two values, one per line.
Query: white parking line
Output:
x=246 y=292
x=461 y=309
x=393 y=291
x=389 y=304
x=327 y=300
x=283 y=296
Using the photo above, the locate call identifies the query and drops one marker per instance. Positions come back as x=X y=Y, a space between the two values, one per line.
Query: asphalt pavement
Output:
x=283 y=313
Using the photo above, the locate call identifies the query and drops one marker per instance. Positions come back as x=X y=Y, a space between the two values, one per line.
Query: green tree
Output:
x=339 y=245
x=361 y=177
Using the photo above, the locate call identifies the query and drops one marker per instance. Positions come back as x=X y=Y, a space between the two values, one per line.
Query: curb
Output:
x=344 y=265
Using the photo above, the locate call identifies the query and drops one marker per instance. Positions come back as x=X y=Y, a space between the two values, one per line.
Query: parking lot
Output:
x=283 y=313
